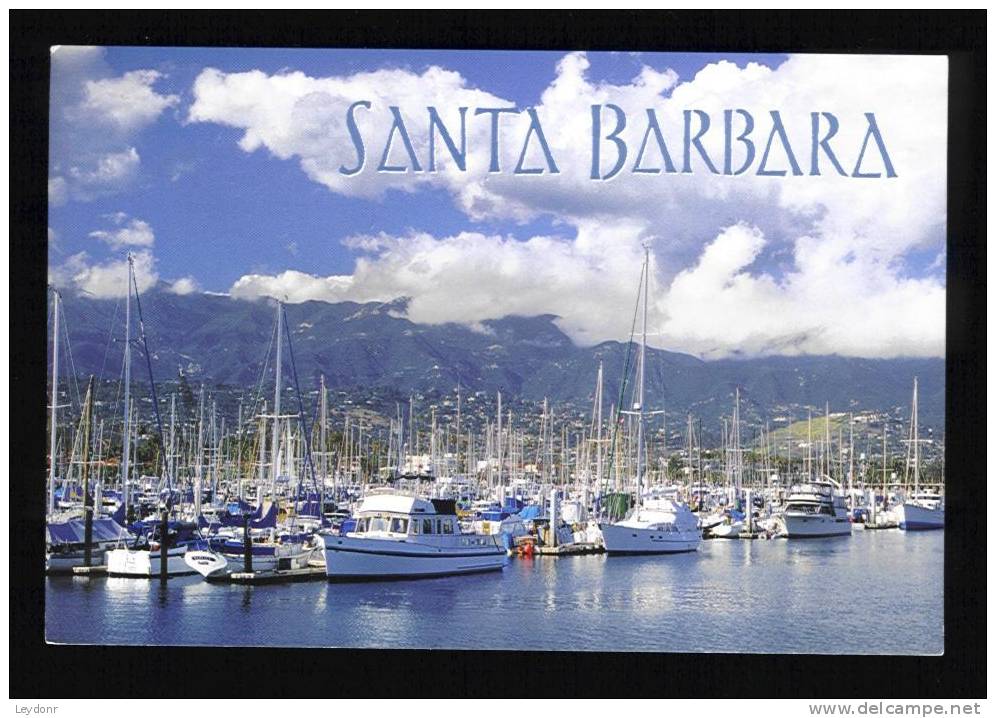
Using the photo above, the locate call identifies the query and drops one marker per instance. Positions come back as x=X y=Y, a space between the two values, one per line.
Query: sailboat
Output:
x=924 y=510
x=161 y=540
x=258 y=547
x=658 y=525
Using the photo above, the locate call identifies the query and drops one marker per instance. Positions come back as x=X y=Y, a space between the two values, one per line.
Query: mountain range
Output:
x=373 y=346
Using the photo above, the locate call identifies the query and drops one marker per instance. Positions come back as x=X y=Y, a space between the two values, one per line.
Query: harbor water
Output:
x=877 y=592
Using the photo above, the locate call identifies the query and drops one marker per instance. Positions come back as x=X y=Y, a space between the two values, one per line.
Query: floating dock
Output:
x=291 y=575
x=881 y=525
x=571 y=549
x=100 y=570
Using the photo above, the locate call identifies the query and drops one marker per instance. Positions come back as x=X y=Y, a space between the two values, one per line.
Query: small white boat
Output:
x=923 y=512
x=146 y=563
x=728 y=529
x=208 y=564
x=399 y=536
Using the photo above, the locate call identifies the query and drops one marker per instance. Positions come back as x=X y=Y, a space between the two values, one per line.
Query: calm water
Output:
x=876 y=592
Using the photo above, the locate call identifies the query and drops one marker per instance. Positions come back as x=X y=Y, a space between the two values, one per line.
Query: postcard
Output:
x=496 y=350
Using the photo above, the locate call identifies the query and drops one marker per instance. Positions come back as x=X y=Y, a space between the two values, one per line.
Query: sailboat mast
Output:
x=916 y=441
x=55 y=399
x=640 y=382
x=498 y=435
x=278 y=370
x=126 y=430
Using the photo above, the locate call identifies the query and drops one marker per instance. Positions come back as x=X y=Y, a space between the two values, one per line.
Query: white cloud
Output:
x=127 y=103
x=184 y=286
x=136 y=233
x=104 y=280
x=95 y=117
x=716 y=308
x=745 y=264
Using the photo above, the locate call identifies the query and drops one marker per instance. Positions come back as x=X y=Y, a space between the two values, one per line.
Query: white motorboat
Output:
x=399 y=536
x=924 y=511
x=728 y=528
x=145 y=563
x=661 y=526
x=815 y=510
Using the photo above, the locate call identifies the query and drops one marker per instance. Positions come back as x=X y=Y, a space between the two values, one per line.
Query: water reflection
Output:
x=730 y=596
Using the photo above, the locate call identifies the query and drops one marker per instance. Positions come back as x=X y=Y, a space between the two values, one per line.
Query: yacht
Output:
x=655 y=526
x=815 y=510
x=400 y=536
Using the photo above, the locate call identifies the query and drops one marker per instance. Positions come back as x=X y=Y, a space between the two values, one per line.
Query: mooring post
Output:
x=246 y=543
x=164 y=546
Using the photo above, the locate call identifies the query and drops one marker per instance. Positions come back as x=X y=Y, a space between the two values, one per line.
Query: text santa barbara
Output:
x=640 y=144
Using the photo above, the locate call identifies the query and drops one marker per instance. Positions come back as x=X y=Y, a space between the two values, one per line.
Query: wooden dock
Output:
x=100 y=570
x=572 y=549
x=292 y=575
x=881 y=525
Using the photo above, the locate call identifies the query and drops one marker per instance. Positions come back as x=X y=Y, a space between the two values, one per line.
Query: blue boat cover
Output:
x=531 y=512
x=72 y=531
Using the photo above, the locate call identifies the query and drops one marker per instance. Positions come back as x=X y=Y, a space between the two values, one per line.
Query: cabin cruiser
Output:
x=922 y=512
x=401 y=536
x=659 y=525
x=815 y=510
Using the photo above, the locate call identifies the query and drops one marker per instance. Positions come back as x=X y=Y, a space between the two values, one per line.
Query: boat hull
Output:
x=146 y=564
x=815 y=526
x=208 y=564
x=355 y=559
x=912 y=517
x=623 y=540
x=56 y=563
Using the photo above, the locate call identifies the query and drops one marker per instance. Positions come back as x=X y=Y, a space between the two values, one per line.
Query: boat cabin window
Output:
x=416 y=526
x=427 y=526
x=378 y=523
x=447 y=526
x=399 y=526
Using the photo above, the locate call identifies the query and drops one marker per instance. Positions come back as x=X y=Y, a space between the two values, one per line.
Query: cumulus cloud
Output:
x=716 y=308
x=126 y=103
x=750 y=264
x=104 y=280
x=129 y=233
x=184 y=286
x=95 y=117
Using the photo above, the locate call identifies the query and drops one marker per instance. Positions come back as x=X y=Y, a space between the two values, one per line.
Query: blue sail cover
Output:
x=234 y=518
x=72 y=531
x=531 y=512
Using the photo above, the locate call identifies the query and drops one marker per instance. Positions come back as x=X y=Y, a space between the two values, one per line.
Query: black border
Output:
x=39 y=670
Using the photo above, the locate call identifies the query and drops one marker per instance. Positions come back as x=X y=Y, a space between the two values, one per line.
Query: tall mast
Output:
x=55 y=401
x=126 y=430
x=275 y=444
x=498 y=434
x=598 y=430
x=916 y=441
x=324 y=431
x=640 y=381
x=199 y=473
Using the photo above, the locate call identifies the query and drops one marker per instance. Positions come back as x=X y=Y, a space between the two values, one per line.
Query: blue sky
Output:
x=147 y=157
x=229 y=212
